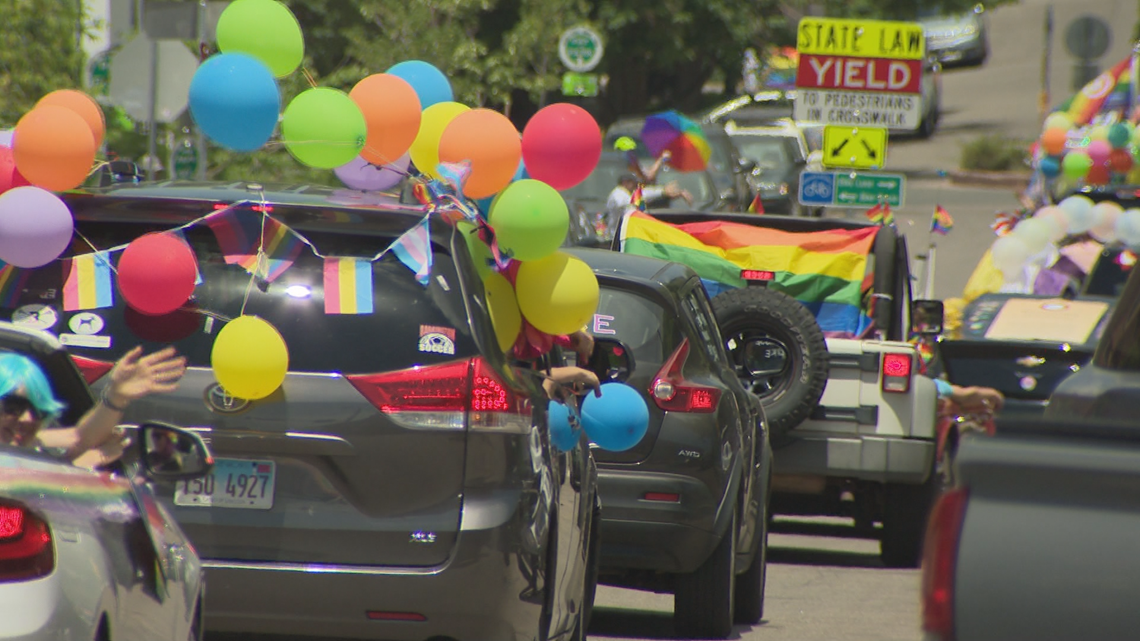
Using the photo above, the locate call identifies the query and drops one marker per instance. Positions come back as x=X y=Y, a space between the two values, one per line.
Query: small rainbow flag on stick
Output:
x=12 y=281
x=941 y=223
x=87 y=283
x=348 y=286
x=637 y=199
x=881 y=214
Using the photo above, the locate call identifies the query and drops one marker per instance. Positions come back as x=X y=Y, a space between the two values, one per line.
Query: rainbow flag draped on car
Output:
x=827 y=271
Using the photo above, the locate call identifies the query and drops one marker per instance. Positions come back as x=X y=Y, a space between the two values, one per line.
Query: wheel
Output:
x=750 y=585
x=777 y=350
x=905 y=512
x=703 y=600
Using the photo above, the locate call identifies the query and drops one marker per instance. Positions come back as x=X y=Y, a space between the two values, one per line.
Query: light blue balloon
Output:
x=521 y=173
x=618 y=419
x=1050 y=166
x=429 y=82
x=235 y=101
x=562 y=436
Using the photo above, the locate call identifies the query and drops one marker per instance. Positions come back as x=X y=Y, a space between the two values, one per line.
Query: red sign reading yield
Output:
x=859 y=74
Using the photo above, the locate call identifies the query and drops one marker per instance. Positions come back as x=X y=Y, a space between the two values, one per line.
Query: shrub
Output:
x=992 y=152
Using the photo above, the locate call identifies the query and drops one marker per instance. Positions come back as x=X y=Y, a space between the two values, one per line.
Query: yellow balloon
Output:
x=1058 y=120
x=505 y=316
x=249 y=358
x=1099 y=132
x=557 y=294
x=425 y=148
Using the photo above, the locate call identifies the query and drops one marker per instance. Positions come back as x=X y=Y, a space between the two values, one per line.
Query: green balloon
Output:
x=323 y=127
x=265 y=29
x=530 y=219
x=1118 y=135
x=1076 y=164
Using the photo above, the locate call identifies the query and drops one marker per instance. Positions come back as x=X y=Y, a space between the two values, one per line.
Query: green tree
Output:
x=39 y=52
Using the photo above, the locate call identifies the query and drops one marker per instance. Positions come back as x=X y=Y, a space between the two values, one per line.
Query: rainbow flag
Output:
x=941 y=223
x=348 y=286
x=637 y=199
x=757 y=205
x=827 y=271
x=881 y=214
x=240 y=234
x=12 y=282
x=87 y=282
x=1108 y=92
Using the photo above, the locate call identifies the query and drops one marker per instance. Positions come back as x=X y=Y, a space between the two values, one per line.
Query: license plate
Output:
x=236 y=483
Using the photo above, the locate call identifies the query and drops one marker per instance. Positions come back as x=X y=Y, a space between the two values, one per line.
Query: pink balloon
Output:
x=561 y=145
x=10 y=176
x=35 y=226
x=1105 y=213
x=1099 y=151
x=1055 y=216
x=363 y=175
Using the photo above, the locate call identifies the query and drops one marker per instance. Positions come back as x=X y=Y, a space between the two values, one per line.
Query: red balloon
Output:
x=561 y=145
x=1098 y=175
x=10 y=177
x=157 y=273
x=1120 y=160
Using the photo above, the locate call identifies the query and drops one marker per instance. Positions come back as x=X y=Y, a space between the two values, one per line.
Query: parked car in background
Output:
x=685 y=510
x=727 y=167
x=94 y=555
x=956 y=38
x=780 y=155
x=405 y=485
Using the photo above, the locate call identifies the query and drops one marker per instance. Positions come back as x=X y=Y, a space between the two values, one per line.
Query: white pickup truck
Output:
x=852 y=420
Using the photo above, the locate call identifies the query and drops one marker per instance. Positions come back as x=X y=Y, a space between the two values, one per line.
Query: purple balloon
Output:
x=35 y=227
x=361 y=174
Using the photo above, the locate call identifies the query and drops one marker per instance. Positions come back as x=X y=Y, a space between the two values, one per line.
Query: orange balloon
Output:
x=81 y=104
x=492 y=145
x=1053 y=140
x=391 y=108
x=53 y=147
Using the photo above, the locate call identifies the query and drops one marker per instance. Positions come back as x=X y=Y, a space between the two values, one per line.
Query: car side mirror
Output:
x=745 y=166
x=927 y=317
x=171 y=453
x=611 y=360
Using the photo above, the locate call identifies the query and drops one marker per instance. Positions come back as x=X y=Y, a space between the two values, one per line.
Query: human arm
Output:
x=575 y=378
x=651 y=175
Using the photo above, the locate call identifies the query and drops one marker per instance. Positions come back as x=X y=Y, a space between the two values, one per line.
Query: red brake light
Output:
x=755 y=274
x=260 y=208
x=673 y=394
x=91 y=369
x=25 y=545
x=940 y=556
x=446 y=396
x=897 y=369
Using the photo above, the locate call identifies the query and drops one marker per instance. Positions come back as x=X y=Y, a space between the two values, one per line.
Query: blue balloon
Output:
x=428 y=81
x=618 y=419
x=562 y=436
x=521 y=173
x=235 y=101
x=1050 y=166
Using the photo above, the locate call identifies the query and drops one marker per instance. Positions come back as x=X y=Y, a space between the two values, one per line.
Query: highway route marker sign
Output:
x=854 y=147
x=851 y=189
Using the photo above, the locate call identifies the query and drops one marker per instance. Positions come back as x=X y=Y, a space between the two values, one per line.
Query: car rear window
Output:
x=387 y=339
x=638 y=322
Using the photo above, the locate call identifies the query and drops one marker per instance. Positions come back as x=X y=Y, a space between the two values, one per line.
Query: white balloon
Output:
x=1080 y=213
x=1105 y=214
x=1035 y=233
x=1009 y=255
x=1128 y=228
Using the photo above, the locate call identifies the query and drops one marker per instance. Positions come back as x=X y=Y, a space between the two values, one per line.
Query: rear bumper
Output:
x=868 y=458
x=655 y=535
x=482 y=592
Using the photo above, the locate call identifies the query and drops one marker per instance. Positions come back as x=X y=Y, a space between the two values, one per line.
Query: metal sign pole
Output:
x=199 y=137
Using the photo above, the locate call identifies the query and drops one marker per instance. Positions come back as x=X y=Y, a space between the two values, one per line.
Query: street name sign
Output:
x=854 y=147
x=851 y=189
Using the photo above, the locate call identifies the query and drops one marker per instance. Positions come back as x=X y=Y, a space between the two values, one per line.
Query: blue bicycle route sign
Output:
x=851 y=189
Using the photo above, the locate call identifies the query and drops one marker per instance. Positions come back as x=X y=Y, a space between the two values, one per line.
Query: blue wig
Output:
x=18 y=371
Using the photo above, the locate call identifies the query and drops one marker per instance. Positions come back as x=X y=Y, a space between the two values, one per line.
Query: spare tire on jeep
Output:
x=777 y=350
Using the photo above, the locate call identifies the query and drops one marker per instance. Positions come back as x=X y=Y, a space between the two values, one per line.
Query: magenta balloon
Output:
x=1099 y=150
x=361 y=174
x=35 y=227
x=561 y=145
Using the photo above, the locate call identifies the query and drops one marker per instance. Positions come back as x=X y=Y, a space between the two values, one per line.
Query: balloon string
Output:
x=97 y=252
x=261 y=260
x=309 y=77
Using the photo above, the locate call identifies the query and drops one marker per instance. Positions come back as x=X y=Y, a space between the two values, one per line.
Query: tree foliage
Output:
x=39 y=53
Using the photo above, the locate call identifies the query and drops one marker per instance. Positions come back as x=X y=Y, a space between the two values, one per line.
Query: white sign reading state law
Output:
x=852 y=108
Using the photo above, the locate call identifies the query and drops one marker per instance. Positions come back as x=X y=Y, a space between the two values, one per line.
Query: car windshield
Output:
x=600 y=182
x=768 y=152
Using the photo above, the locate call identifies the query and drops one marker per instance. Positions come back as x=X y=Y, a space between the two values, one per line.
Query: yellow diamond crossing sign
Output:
x=854 y=147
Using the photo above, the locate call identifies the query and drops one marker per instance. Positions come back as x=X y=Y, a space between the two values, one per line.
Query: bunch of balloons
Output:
x=1106 y=222
x=616 y=419
x=1100 y=156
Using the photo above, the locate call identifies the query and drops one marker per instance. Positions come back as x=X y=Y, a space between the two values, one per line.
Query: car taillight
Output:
x=897 y=369
x=940 y=556
x=91 y=369
x=447 y=396
x=25 y=545
x=673 y=393
x=757 y=275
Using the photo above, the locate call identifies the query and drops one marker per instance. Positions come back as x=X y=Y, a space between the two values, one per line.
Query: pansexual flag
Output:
x=12 y=281
x=941 y=222
x=348 y=286
x=88 y=282
x=239 y=231
x=414 y=250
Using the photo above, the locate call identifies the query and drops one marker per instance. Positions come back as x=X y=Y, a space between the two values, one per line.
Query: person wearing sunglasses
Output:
x=28 y=405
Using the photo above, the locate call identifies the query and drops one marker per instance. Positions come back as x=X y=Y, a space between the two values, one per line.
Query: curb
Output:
x=1015 y=180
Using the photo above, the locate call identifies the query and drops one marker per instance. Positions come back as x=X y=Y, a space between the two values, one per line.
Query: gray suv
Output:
x=398 y=485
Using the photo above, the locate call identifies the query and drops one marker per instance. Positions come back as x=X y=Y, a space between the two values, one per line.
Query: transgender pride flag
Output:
x=414 y=250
